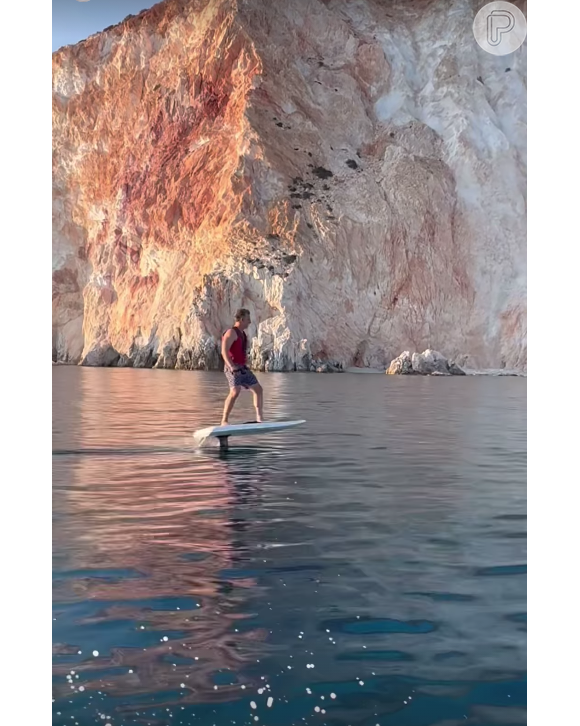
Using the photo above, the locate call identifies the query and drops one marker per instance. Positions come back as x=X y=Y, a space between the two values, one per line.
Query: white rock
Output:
x=429 y=361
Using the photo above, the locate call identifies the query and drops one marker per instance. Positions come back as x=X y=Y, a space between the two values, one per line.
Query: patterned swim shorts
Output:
x=241 y=378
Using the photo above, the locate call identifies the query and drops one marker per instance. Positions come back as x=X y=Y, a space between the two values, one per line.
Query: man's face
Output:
x=245 y=322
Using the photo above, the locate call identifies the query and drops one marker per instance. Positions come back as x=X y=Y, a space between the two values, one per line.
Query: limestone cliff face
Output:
x=351 y=172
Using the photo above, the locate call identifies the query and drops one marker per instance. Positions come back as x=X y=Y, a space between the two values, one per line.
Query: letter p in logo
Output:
x=499 y=22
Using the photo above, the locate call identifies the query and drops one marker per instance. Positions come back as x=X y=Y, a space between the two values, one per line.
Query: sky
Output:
x=71 y=21
x=74 y=20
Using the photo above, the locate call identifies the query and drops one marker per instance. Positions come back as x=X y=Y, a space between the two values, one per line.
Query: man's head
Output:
x=243 y=319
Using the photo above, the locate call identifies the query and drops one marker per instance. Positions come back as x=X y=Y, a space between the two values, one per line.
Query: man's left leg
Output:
x=258 y=393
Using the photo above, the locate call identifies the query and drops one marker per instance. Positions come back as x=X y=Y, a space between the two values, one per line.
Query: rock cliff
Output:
x=352 y=172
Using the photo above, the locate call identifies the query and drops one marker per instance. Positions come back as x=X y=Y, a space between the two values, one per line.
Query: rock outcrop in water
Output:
x=354 y=173
x=427 y=363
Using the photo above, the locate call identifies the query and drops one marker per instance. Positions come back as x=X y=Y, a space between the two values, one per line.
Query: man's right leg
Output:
x=229 y=404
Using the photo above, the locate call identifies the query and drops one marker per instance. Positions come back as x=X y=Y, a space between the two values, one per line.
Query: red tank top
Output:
x=238 y=348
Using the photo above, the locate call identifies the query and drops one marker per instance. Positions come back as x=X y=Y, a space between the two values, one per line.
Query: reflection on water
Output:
x=366 y=568
x=147 y=556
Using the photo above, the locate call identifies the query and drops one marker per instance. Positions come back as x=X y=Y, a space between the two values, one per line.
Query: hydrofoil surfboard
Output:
x=222 y=433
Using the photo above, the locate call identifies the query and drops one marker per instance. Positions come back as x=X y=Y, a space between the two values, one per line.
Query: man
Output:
x=234 y=348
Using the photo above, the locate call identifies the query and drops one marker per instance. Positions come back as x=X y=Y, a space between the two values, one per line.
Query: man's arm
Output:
x=227 y=343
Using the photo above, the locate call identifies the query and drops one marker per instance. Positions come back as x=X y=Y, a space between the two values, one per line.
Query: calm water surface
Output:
x=366 y=568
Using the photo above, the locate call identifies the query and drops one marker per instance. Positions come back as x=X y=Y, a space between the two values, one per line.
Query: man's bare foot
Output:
x=224 y=423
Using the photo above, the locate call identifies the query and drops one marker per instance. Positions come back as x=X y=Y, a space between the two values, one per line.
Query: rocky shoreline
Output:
x=428 y=363
x=432 y=363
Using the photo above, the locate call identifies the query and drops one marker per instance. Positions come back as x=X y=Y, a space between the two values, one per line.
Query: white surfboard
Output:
x=244 y=429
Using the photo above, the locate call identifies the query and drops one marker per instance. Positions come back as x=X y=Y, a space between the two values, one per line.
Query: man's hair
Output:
x=240 y=314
